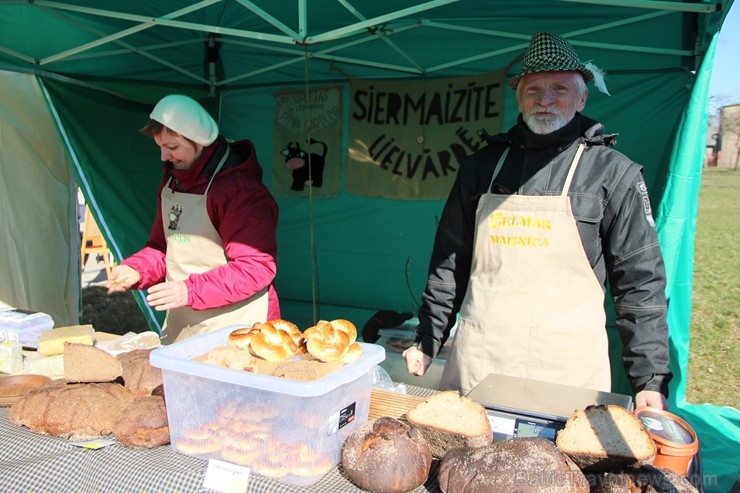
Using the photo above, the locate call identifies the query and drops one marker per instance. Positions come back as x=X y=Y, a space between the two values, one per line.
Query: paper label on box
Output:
x=225 y=477
x=340 y=419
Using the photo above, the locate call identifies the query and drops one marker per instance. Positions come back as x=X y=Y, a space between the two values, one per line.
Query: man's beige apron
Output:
x=533 y=306
x=194 y=246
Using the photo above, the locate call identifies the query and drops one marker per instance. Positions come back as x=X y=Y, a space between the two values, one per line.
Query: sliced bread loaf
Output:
x=605 y=438
x=448 y=420
x=83 y=363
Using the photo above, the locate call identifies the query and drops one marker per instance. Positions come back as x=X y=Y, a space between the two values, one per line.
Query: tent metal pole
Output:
x=382 y=19
x=383 y=36
x=302 y=19
x=702 y=8
x=272 y=20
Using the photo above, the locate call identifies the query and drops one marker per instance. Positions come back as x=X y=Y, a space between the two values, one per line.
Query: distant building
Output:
x=728 y=142
x=712 y=147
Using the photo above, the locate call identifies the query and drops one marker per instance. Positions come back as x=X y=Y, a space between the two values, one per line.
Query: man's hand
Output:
x=168 y=295
x=121 y=278
x=651 y=398
x=416 y=361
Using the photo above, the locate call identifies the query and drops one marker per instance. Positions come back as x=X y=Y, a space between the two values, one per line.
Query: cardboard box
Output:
x=287 y=429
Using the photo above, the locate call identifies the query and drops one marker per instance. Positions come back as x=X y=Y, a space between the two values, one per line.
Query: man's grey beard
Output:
x=544 y=124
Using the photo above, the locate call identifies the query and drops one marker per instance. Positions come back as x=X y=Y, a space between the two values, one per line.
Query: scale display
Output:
x=506 y=425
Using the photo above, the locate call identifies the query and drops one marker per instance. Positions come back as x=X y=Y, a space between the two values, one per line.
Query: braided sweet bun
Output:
x=354 y=352
x=325 y=342
x=347 y=327
x=241 y=338
x=271 y=343
x=289 y=327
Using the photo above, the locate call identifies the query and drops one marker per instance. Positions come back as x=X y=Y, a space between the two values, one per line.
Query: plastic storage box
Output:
x=26 y=324
x=287 y=429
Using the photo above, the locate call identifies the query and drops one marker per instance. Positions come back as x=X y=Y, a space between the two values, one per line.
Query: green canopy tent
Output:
x=99 y=66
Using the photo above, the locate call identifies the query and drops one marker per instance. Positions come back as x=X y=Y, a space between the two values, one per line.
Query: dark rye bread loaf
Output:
x=449 y=420
x=606 y=438
x=139 y=376
x=644 y=479
x=521 y=465
x=79 y=411
x=143 y=424
x=386 y=456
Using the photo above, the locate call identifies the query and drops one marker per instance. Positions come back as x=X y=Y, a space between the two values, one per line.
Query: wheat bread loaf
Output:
x=143 y=424
x=387 y=456
x=139 y=376
x=83 y=363
x=521 y=465
x=78 y=411
x=448 y=420
x=606 y=438
x=643 y=479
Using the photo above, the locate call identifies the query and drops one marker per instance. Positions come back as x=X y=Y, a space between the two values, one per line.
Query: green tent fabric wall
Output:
x=236 y=58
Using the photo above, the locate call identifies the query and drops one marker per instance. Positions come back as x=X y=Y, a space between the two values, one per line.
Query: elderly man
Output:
x=535 y=224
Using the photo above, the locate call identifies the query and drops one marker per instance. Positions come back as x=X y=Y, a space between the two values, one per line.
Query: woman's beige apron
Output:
x=533 y=306
x=193 y=247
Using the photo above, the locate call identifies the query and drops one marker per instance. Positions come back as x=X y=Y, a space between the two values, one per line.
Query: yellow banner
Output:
x=306 y=142
x=407 y=137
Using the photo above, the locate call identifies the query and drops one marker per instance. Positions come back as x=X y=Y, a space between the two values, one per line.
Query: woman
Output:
x=211 y=256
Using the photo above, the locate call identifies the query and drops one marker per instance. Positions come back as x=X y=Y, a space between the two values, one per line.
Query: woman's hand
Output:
x=121 y=278
x=168 y=295
x=416 y=361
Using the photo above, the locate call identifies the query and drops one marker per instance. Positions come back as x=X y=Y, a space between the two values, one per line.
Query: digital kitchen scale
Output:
x=521 y=407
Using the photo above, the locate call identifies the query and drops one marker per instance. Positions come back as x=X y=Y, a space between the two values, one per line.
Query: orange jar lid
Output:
x=672 y=435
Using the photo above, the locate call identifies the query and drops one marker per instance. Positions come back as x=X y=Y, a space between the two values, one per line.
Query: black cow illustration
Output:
x=298 y=160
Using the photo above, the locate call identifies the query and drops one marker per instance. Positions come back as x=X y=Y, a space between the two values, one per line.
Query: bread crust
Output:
x=644 y=479
x=139 y=376
x=386 y=456
x=522 y=465
x=79 y=411
x=143 y=424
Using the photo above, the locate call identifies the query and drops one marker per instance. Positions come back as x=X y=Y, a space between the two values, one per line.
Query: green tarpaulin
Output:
x=101 y=65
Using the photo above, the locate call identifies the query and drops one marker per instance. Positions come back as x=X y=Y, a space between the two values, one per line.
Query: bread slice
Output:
x=83 y=363
x=447 y=420
x=605 y=438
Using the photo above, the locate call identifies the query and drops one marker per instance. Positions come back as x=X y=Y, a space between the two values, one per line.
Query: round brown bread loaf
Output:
x=143 y=424
x=139 y=376
x=386 y=456
x=644 y=479
x=79 y=411
x=522 y=465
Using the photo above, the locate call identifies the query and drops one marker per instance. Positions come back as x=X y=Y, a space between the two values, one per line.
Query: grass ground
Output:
x=714 y=351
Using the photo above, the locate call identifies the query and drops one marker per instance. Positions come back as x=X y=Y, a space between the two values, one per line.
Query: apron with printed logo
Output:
x=533 y=306
x=193 y=247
